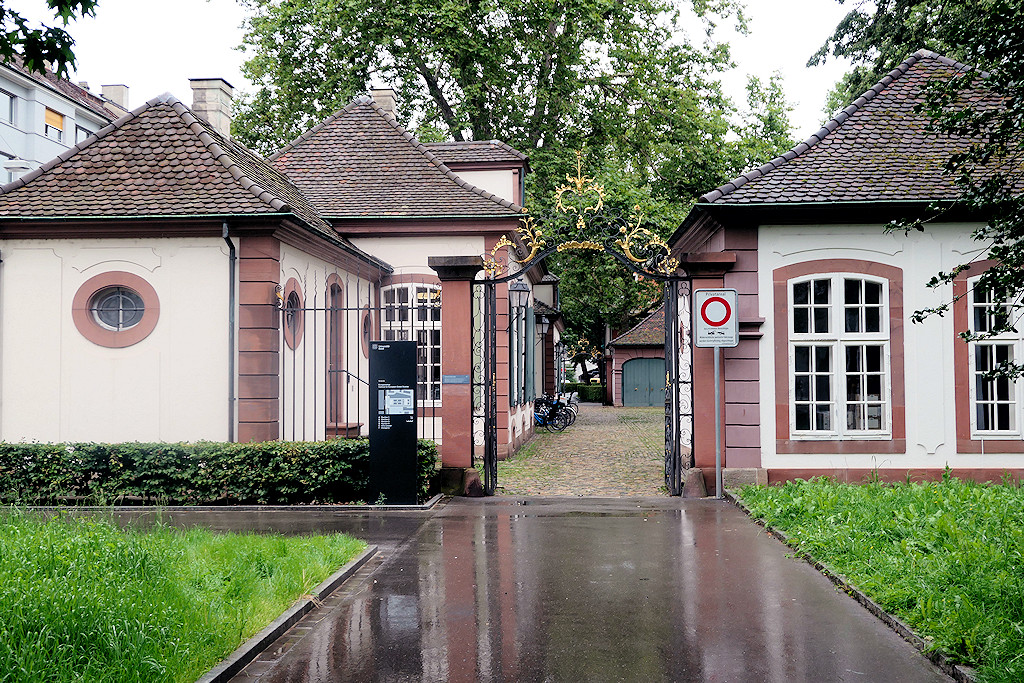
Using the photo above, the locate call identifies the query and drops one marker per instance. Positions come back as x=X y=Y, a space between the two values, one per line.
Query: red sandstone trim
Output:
x=962 y=372
x=258 y=336
x=780 y=279
x=891 y=475
x=114 y=339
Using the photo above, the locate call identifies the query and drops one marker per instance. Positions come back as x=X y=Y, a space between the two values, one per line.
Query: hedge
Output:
x=203 y=473
x=591 y=393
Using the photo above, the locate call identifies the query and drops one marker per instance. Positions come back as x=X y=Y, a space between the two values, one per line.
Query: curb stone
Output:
x=230 y=508
x=958 y=672
x=252 y=648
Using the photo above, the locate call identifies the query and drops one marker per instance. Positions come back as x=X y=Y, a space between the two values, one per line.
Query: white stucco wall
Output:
x=56 y=385
x=503 y=183
x=304 y=384
x=928 y=347
x=410 y=254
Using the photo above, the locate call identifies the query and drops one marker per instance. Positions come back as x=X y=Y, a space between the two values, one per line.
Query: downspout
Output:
x=231 y=332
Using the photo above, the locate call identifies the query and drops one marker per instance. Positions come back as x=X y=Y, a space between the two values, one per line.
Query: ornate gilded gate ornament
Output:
x=641 y=247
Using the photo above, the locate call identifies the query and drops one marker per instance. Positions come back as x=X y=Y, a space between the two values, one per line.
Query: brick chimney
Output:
x=385 y=99
x=117 y=95
x=211 y=101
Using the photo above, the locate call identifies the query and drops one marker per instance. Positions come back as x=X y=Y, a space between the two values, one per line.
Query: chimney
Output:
x=385 y=99
x=211 y=101
x=116 y=95
x=84 y=85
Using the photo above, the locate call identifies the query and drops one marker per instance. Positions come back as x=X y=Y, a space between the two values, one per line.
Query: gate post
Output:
x=456 y=274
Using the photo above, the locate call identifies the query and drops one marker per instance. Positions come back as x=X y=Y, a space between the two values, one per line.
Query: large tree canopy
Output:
x=545 y=77
x=988 y=36
x=621 y=79
x=38 y=45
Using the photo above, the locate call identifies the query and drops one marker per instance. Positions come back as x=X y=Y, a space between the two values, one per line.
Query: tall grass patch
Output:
x=82 y=600
x=946 y=557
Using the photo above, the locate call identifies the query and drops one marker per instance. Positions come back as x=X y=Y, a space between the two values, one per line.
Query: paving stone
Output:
x=608 y=452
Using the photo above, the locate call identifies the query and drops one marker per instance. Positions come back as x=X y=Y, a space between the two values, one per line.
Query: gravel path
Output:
x=608 y=452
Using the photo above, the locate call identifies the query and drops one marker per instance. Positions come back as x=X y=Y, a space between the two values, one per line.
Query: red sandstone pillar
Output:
x=456 y=274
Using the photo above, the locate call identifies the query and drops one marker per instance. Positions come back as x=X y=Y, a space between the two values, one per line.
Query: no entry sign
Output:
x=715 y=318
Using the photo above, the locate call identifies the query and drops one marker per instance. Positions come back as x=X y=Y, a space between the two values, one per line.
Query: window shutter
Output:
x=531 y=351
x=54 y=119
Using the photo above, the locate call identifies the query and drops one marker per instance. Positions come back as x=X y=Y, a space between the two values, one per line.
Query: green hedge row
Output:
x=590 y=393
x=203 y=473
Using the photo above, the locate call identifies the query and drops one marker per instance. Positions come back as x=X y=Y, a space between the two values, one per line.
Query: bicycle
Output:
x=550 y=413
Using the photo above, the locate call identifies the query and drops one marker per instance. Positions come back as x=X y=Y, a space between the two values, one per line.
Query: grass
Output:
x=945 y=557
x=82 y=600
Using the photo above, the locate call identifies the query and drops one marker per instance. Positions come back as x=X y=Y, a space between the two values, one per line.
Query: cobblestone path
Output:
x=608 y=452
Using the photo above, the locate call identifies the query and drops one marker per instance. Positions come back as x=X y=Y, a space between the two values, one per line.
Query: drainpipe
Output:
x=231 y=332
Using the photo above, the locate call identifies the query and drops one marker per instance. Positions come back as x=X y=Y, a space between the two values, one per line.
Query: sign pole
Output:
x=715 y=323
x=718 y=426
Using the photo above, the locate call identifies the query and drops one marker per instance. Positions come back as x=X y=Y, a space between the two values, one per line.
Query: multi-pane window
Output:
x=995 y=399
x=81 y=134
x=412 y=312
x=54 y=125
x=839 y=355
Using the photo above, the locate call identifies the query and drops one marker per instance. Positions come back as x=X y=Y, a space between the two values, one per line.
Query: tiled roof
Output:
x=649 y=332
x=877 y=149
x=549 y=278
x=541 y=308
x=159 y=160
x=475 y=151
x=361 y=163
x=93 y=103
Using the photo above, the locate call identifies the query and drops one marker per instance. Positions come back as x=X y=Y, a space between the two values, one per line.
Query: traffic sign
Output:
x=715 y=318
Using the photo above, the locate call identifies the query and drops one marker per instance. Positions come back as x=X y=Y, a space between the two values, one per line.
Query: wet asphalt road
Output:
x=563 y=589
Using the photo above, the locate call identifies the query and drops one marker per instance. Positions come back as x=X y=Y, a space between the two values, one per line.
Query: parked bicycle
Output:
x=551 y=412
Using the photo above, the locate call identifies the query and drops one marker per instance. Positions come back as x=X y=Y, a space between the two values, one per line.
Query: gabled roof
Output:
x=360 y=163
x=158 y=160
x=649 y=332
x=877 y=149
x=476 y=151
x=83 y=97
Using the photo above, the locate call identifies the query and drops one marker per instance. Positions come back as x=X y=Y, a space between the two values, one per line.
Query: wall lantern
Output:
x=543 y=325
x=518 y=294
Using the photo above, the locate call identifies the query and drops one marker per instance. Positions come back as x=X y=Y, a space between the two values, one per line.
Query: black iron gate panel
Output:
x=326 y=331
x=678 y=385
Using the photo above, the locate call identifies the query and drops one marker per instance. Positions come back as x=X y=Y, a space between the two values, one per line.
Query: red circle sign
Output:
x=716 y=321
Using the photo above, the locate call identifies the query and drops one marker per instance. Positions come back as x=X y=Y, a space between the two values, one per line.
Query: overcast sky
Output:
x=156 y=46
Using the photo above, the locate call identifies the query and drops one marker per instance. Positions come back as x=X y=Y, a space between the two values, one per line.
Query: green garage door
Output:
x=643 y=382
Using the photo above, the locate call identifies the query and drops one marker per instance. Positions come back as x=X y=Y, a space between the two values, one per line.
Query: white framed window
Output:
x=995 y=401
x=839 y=357
x=412 y=312
x=81 y=134
x=53 y=125
x=8 y=107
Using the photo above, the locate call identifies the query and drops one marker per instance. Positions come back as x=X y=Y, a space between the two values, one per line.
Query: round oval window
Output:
x=117 y=308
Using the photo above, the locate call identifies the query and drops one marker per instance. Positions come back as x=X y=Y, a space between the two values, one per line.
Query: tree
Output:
x=619 y=79
x=984 y=106
x=46 y=44
x=547 y=78
x=877 y=37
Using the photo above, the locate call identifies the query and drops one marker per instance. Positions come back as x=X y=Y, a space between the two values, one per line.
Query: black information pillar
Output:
x=393 y=422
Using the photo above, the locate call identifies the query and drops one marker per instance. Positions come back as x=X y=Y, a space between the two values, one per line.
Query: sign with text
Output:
x=715 y=318
x=393 y=422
